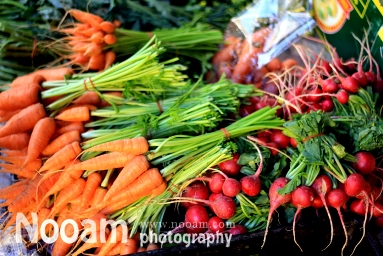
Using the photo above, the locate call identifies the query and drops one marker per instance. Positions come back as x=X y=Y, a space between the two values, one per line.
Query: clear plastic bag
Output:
x=260 y=33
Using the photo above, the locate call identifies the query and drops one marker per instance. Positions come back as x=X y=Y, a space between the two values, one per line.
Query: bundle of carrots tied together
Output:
x=87 y=39
x=44 y=153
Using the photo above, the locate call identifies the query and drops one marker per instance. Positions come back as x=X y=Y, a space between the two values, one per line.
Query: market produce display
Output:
x=116 y=130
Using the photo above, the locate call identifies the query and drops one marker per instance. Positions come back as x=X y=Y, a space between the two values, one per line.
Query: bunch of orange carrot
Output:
x=87 y=39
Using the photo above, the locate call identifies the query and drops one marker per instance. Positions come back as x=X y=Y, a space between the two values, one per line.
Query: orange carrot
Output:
x=129 y=247
x=18 y=98
x=41 y=217
x=92 y=242
x=12 y=191
x=88 y=98
x=27 y=80
x=72 y=126
x=66 y=195
x=142 y=186
x=85 y=17
x=98 y=196
x=135 y=146
x=23 y=121
x=108 y=27
x=97 y=220
x=92 y=183
x=94 y=49
x=17 y=161
x=116 y=235
x=79 y=58
x=97 y=62
x=110 y=57
x=28 y=172
x=60 y=142
x=60 y=247
x=66 y=178
x=16 y=141
x=117 y=23
x=53 y=74
x=74 y=114
x=97 y=38
x=6 y=115
x=14 y=152
x=63 y=156
x=110 y=39
x=104 y=103
x=41 y=134
x=159 y=189
x=28 y=196
x=131 y=171
x=81 y=47
x=104 y=162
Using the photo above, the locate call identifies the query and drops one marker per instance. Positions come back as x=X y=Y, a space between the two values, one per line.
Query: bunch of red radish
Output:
x=87 y=39
x=360 y=193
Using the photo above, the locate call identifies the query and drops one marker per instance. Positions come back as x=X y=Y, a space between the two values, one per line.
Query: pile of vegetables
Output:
x=140 y=136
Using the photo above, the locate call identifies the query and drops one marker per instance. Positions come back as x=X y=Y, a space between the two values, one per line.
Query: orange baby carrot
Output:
x=74 y=114
x=135 y=146
x=16 y=141
x=97 y=62
x=104 y=162
x=94 y=49
x=61 y=248
x=108 y=27
x=116 y=235
x=21 y=173
x=128 y=174
x=129 y=247
x=41 y=134
x=72 y=126
x=98 y=196
x=110 y=39
x=14 y=152
x=142 y=186
x=18 y=98
x=23 y=121
x=60 y=142
x=88 y=98
x=13 y=191
x=86 y=17
x=63 y=156
x=66 y=195
x=93 y=181
x=110 y=57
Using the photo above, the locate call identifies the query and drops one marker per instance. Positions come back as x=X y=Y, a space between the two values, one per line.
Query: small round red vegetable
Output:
x=195 y=190
x=238 y=230
x=216 y=225
x=196 y=219
x=231 y=187
x=342 y=96
x=230 y=167
x=365 y=162
x=280 y=139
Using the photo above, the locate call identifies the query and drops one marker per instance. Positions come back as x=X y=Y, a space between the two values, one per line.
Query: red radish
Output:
x=329 y=86
x=276 y=200
x=327 y=105
x=325 y=66
x=223 y=206
x=216 y=225
x=280 y=139
x=314 y=95
x=270 y=88
x=254 y=100
x=293 y=142
x=337 y=198
x=264 y=134
x=245 y=110
x=214 y=196
x=322 y=185
x=354 y=185
x=195 y=190
x=371 y=77
x=301 y=197
x=342 y=96
x=273 y=148
x=196 y=219
x=350 y=84
x=230 y=167
x=231 y=187
x=361 y=77
x=377 y=209
x=317 y=202
x=216 y=182
x=365 y=162
x=238 y=230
